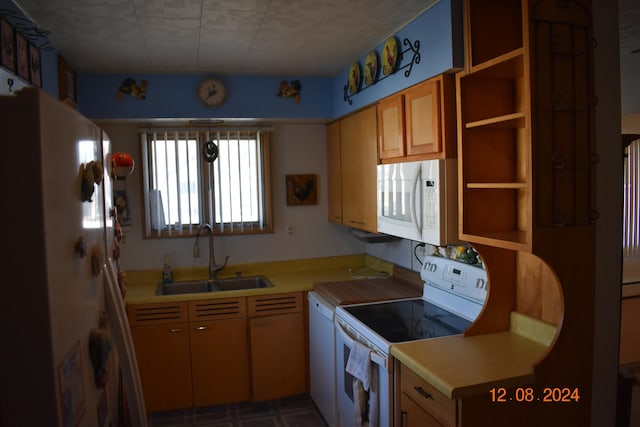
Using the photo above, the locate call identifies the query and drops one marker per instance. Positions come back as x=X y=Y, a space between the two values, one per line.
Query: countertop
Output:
x=286 y=276
x=460 y=366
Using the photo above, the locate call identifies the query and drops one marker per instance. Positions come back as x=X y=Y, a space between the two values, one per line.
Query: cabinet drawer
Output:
x=155 y=314
x=264 y=305
x=216 y=309
x=431 y=400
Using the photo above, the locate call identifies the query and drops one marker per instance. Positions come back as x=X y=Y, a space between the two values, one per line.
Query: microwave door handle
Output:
x=375 y=357
x=414 y=208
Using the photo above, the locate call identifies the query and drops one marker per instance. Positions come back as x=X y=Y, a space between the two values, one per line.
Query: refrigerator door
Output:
x=54 y=294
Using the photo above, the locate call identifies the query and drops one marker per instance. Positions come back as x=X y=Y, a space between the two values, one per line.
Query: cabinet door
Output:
x=412 y=415
x=358 y=140
x=278 y=357
x=220 y=362
x=422 y=118
x=334 y=171
x=391 y=127
x=164 y=362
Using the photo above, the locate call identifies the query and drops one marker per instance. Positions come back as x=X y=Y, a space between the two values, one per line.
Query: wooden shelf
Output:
x=507 y=121
x=506 y=65
x=511 y=239
x=498 y=185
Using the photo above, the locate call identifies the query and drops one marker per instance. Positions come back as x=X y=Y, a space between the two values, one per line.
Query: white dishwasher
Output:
x=322 y=357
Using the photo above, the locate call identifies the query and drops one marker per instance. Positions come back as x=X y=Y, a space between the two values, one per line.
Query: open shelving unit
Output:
x=494 y=130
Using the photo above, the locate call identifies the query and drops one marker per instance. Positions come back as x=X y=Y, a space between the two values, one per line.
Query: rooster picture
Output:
x=301 y=190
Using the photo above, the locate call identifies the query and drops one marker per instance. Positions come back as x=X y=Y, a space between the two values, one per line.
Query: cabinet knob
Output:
x=261 y=323
x=201 y=328
x=175 y=330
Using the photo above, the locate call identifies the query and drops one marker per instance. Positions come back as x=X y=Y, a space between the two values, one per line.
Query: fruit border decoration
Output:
x=413 y=48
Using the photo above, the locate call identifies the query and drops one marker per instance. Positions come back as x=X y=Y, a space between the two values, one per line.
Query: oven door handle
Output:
x=375 y=357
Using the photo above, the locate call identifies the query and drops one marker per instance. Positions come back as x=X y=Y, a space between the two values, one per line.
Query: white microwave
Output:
x=419 y=201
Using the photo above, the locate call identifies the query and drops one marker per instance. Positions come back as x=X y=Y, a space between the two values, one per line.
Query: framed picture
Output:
x=35 y=76
x=22 y=57
x=8 y=40
x=67 y=85
x=301 y=190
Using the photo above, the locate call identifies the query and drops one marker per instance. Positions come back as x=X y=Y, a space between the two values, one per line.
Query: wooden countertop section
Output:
x=462 y=366
x=366 y=290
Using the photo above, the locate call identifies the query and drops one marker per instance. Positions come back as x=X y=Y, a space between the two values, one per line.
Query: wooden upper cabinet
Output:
x=419 y=123
x=359 y=156
x=422 y=106
x=334 y=172
x=391 y=127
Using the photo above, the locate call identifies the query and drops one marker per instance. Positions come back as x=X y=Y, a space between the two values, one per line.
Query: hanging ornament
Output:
x=122 y=164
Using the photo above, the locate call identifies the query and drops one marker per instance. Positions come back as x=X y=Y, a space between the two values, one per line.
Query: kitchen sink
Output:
x=237 y=283
x=217 y=285
x=188 y=287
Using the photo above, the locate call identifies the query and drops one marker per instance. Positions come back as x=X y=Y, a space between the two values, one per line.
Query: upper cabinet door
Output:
x=391 y=138
x=422 y=118
x=334 y=172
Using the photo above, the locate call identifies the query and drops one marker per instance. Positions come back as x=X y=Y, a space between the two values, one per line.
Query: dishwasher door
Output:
x=322 y=357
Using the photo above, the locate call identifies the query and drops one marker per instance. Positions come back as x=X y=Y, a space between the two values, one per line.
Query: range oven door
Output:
x=344 y=381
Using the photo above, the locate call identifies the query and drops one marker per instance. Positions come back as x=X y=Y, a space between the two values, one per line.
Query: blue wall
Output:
x=439 y=31
x=173 y=96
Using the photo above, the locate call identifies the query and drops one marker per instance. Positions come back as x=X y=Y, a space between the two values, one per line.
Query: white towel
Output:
x=359 y=363
x=365 y=385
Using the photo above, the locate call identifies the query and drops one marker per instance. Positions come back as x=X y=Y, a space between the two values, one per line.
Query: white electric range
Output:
x=453 y=296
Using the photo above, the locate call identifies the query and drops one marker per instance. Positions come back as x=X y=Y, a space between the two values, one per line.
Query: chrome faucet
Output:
x=213 y=267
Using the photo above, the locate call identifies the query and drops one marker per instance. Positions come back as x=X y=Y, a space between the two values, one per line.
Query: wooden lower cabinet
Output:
x=219 y=362
x=413 y=415
x=164 y=362
x=421 y=405
x=218 y=351
x=160 y=334
x=278 y=346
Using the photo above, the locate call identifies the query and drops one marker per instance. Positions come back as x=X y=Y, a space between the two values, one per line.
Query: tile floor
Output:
x=296 y=411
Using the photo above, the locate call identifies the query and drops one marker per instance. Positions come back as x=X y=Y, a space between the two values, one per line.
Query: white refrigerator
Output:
x=53 y=295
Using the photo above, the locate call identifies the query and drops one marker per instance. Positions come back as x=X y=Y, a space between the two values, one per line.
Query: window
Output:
x=194 y=177
x=631 y=209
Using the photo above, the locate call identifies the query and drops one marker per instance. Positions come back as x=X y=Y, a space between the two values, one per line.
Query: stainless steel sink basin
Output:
x=237 y=283
x=217 y=285
x=187 y=287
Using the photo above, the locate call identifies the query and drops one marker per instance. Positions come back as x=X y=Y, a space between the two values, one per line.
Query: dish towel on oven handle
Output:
x=365 y=385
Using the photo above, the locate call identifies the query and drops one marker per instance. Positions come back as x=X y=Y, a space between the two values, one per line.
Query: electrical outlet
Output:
x=291 y=230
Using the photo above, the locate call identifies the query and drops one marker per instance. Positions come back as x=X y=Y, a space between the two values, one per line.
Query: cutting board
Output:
x=367 y=290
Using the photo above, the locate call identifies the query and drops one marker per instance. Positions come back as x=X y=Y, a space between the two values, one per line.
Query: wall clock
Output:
x=211 y=91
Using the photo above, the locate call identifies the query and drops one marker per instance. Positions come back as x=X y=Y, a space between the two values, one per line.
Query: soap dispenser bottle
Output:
x=167 y=272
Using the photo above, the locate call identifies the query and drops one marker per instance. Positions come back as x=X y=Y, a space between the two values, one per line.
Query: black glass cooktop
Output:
x=408 y=320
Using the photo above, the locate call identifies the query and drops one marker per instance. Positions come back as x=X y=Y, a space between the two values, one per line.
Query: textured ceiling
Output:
x=266 y=37
x=629 y=12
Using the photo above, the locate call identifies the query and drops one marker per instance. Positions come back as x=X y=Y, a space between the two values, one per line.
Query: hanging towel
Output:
x=365 y=386
x=359 y=363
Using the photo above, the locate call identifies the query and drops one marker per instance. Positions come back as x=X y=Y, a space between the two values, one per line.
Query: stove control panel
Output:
x=456 y=277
